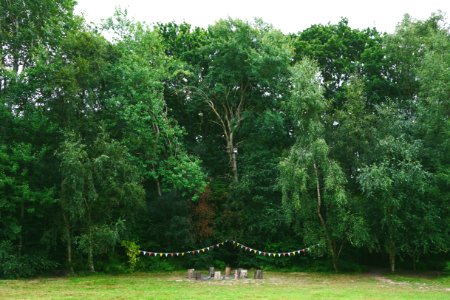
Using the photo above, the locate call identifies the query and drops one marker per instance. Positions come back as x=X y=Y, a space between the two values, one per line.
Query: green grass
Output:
x=274 y=286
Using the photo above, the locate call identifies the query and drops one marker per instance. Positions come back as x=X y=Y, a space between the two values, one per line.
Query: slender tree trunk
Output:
x=391 y=248
x=69 y=251
x=392 y=259
x=330 y=242
x=233 y=157
x=234 y=166
x=229 y=121
x=158 y=187
x=91 y=253
x=68 y=243
x=91 y=242
x=22 y=215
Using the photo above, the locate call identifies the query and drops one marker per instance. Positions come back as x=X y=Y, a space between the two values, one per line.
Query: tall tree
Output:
x=246 y=66
x=313 y=184
x=99 y=190
x=393 y=181
x=27 y=28
x=139 y=116
x=342 y=52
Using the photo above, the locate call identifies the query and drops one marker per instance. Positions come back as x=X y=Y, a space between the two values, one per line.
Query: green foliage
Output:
x=13 y=266
x=313 y=185
x=334 y=137
x=132 y=250
x=342 y=52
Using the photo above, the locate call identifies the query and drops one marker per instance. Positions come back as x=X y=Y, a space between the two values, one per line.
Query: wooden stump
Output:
x=227 y=271
x=190 y=274
x=243 y=274
x=258 y=274
x=211 y=272
x=197 y=275
x=217 y=275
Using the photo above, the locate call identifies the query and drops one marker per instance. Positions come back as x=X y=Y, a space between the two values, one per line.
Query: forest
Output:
x=125 y=136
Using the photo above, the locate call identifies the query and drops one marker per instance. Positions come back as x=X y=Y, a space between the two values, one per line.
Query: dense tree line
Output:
x=121 y=136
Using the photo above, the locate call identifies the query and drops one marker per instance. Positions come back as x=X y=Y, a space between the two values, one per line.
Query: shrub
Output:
x=14 y=266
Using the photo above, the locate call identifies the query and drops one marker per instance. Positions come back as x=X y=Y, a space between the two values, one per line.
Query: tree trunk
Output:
x=69 y=251
x=68 y=243
x=22 y=215
x=330 y=243
x=91 y=253
x=229 y=120
x=158 y=187
x=190 y=274
x=232 y=155
x=234 y=166
x=392 y=259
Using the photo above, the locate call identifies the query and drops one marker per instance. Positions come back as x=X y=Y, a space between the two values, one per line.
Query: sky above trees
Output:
x=289 y=16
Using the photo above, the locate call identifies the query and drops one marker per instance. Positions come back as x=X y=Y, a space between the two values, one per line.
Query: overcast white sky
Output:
x=287 y=15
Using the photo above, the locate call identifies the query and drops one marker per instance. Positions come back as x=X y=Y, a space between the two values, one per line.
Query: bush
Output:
x=112 y=265
x=447 y=268
x=157 y=264
x=13 y=266
x=133 y=252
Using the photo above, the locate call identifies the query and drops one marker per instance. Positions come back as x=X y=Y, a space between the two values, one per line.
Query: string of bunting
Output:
x=236 y=244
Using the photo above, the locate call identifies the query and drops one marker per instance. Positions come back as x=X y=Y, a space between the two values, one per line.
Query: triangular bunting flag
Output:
x=279 y=254
x=182 y=253
x=166 y=254
x=160 y=254
x=144 y=252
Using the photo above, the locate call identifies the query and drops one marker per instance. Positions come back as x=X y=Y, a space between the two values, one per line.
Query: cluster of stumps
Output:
x=217 y=275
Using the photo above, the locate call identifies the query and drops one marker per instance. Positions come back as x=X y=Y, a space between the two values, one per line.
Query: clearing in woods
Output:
x=275 y=285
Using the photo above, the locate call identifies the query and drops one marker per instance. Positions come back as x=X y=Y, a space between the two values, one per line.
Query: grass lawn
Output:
x=274 y=286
